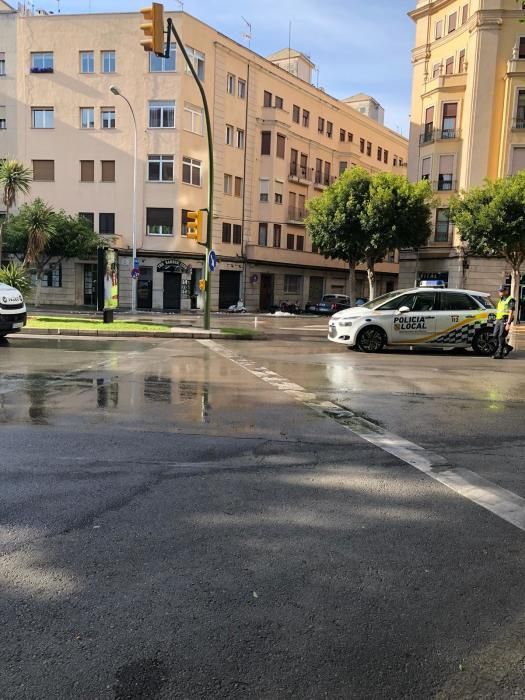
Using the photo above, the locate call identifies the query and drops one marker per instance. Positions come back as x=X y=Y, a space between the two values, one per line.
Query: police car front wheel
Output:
x=371 y=340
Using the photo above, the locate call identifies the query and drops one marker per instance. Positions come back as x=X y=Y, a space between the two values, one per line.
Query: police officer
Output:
x=504 y=318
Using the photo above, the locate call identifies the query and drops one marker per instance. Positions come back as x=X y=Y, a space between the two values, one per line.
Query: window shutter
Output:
x=44 y=170
x=108 y=170
x=446 y=165
x=518 y=159
x=159 y=217
x=87 y=170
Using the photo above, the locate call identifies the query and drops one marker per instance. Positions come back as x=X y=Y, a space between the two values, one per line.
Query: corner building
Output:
x=278 y=141
x=467 y=123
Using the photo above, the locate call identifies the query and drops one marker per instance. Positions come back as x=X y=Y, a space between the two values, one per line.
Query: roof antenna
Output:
x=248 y=34
x=181 y=5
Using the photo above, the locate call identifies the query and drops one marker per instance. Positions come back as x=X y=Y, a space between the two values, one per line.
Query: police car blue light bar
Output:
x=432 y=283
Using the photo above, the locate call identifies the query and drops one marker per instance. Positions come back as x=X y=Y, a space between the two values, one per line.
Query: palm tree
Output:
x=15 y=179
x=38 y=219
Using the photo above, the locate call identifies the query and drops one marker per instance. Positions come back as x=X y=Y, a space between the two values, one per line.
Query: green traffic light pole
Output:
x=209 y=224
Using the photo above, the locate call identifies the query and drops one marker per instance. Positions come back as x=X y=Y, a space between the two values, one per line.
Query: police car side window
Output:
x=397 y=303
x=455 y=301
x=424 y=302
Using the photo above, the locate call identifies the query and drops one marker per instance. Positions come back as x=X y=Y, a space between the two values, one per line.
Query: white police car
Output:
x=431 y=316
x=13 y=313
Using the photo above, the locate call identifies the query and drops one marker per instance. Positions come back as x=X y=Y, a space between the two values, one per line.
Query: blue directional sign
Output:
x=212 y=260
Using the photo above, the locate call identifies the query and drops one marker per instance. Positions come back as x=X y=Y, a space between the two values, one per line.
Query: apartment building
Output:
x=467 y=124
x=278 y=141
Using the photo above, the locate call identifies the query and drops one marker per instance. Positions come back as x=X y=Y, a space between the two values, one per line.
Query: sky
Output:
x=357 y=45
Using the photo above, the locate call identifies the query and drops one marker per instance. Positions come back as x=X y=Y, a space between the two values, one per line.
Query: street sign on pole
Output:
x=212 y=260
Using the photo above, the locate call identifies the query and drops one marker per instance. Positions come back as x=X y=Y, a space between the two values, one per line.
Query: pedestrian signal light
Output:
x=153 y=28
x=194 y=225
x=202 y=284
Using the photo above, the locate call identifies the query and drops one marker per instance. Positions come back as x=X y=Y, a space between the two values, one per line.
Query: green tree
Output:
x=15 y=179
x=38 y=235
x=363 y=216
x=491 y=220
x=16 y=276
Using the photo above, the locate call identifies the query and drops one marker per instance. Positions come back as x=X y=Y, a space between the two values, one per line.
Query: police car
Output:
x=13 y=314
x=425 y=315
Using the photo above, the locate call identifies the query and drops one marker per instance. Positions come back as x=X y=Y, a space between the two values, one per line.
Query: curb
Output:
x=192 y=335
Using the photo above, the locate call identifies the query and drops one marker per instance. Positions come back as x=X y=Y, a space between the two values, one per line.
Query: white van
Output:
x=13 y=312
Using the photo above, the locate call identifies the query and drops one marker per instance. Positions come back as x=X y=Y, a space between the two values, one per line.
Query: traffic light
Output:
x=202 y=285
x=194 y=225
x=153 y=28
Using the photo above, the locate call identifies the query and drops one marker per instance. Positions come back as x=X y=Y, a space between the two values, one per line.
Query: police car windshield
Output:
x=381 y=300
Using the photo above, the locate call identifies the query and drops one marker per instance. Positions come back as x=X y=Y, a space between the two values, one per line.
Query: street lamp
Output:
x=115 y=90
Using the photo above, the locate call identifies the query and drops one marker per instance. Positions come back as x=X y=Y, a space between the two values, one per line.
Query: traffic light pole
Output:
x=209 y=223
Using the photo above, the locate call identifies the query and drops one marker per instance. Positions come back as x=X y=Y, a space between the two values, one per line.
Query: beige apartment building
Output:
x=278 y=141
x=467 y=123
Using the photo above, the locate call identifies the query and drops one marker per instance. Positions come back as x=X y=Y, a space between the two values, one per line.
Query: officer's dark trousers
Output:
x=501 y=336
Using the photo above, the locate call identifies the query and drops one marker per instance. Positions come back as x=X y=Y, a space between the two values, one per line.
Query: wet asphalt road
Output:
x=171 y=526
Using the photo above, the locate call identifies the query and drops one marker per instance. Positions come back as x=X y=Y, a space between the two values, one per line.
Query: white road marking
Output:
x=499 y=501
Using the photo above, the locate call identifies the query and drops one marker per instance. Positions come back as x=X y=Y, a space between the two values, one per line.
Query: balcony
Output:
x=300 y=173
x=323 y=180
x=518 y=123
x=296 y=215
x=431 y=135
x=444 y=186
x=35 y=69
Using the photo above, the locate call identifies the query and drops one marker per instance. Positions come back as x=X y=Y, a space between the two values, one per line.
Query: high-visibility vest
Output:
x=503 y=308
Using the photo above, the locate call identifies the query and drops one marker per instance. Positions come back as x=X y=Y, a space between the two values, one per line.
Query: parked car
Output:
x=444 y=318
x=331 y=303
x=13 y=313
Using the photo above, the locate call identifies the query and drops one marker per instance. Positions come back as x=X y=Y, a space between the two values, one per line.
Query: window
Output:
x=226 y=232
x=449 y=66
x=193 y=119
x=3 y=122
x=300 y=243
x=521 y=50
x=237 y=234
x=241 y=88
x=106 y=223
x=278 y=192
x=426 y=168
x=238 y=187
x=452 y=22
x=329 y=129
x=520 y=110
x=240 y=138
x=87 y=118
x=197 y=59
x=436 y=70
x=318 y=171
x=442 y=225
x=263 y=234
x=42 y=117
x=281 y=146
x=159 y=222
x=368 y=148
x=264 y=190
x=306 y=118
x=107 y=170
x=294 y=157
x=320 y=125
x=157 y=64
x=2 y=63
x=230 y=84
x=87 y=61
x=350 y=137
x=362 y=145
x=228 y=183
x=191 y=171
x=429 y=124
x=303 y=172
x=88 y=216
x=461 y=62
x=44 y=170
x=342 y=135
x=229 y=135
x=160 y=168
x=87 y=171
x=450 y=110
x=385 y=156
x=279 y=102
x=42 y=62
x=162 y=114
x=446 y=171
x=107 y=117
x=290 y=241
x=327 y=173
x=292 y=284
x=343 y=165
x=464 y=14
x=266 y=143
x=267 y=99
x=438 y=29
x=277 y=235
x=379 y=153
x=456 y=301
x=52 y=277
x=296 y=114
x=108 y=61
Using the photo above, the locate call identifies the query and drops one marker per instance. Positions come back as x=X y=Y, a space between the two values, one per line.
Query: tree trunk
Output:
x=515 y=291
x=2 y=232
x=38 y=285
x=371 y=279
x=351 y=282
